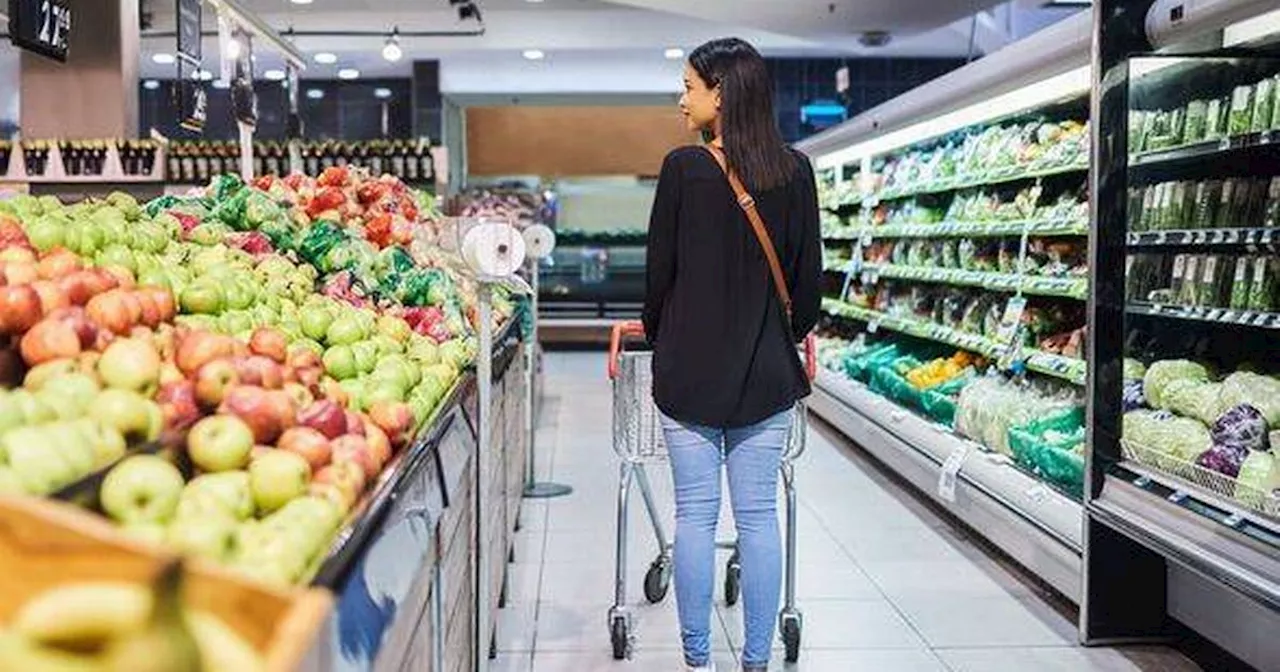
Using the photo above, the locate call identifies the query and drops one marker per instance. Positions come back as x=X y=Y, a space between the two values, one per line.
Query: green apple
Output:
x=228 y=492
x=424 y=351
x=141 y=489
x=220 y=443
x=108 y=443
x=118 y=255
x=70 y=394
x=382 y=390
x=277 y=477
x=131 y=364
x=236 y=321
x=10 y=412
x=128 y=412
x=212 y=537
x=366 y=354
x=340 y=362
x=66 y=440
x=155 y=277
x=39 y=469
x=455 y=352
x=316 y=517
x=355 y=389
x=394 y=328
x=202 y=296
x=344 y=330
x=315 y=322
x=40 y=374
x=306 y=344
x=387 y=345
x=398 y=367
x=241 y=294
x=45 y=234
x=34 y=410
x=209 y=234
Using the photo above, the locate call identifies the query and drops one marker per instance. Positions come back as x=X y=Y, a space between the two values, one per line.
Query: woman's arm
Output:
x=660 y=257
x=805 y=242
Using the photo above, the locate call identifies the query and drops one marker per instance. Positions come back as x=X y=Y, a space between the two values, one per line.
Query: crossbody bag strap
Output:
x=748 y=205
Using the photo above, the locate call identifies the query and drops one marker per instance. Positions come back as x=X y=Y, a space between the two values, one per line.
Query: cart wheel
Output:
x=732 y=581
x=620 y=638
x=791 y=639
x=657 y=580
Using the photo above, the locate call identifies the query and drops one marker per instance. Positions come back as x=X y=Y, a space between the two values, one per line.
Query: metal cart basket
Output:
x=638 y=440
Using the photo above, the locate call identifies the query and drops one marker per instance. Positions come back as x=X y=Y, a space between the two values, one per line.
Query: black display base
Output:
x=546 y=490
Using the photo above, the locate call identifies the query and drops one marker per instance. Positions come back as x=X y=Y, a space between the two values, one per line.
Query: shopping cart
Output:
x=637 y=438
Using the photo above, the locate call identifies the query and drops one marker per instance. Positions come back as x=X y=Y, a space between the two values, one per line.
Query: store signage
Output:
x=244 y=101
x=193 y=103
x=190 y=17
x=41 y=26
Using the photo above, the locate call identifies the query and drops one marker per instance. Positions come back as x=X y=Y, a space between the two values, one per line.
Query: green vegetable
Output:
x=1163 y=374
x=1197 y=121
x=1263 y=104
x=1261 y=392
x=1201 y=401
x=1258 y=479
x=1240 y=116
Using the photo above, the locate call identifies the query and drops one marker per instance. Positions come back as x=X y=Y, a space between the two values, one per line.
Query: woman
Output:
x=726 y=370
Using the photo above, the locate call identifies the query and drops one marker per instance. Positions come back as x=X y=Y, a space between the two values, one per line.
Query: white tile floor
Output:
x=884 y=583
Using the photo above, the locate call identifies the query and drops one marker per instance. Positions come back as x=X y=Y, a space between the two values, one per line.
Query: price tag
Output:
x=950 y=472
x=867 y=238
x=41 y=26
x=1265 y=237
x=1265 y=138
x=1217 y=237
x=1161 y=238
x=1233 y=236
x=873 y=326
x=1012 y=318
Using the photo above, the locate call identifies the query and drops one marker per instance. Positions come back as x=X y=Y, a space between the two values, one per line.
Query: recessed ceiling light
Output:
x=151 y=85
x=162 y=59
x=315 y=94
x=222 y=84
x=274 y=75
x=348 y=73
x=534 y=54
x=204 y=75
x=301 y=2
x=536 y=2
x=674 y=53
x=325 y=58
x=382 y=92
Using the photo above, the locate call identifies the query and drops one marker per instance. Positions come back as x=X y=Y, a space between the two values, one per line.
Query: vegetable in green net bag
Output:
x=259 y=210
x=225 y=186
x=231 y=211
x=316 y=243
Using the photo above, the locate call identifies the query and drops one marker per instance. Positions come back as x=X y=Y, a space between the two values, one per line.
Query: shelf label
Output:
x=950 y=472
x=873 y=326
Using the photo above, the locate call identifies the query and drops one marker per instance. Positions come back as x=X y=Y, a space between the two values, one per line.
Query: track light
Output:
x=391 y=51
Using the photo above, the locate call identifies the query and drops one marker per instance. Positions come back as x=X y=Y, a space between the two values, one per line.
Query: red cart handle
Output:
x=621 y=332
x=633 y=329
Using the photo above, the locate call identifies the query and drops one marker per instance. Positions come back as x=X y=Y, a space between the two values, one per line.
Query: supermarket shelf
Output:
x=1249 y=239
x=1048 y=227
x=1033 y=523
x=1243 y=318
x=1074 y=288
x=1067 y=368
x=997 y=177
x=1197 y=151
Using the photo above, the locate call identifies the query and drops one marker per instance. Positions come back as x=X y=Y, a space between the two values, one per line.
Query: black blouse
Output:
x=723 y=356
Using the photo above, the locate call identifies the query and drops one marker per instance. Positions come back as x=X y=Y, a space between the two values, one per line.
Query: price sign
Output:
x=244 y=101
x=950 y=472
x=190 y=15
x=41 y=26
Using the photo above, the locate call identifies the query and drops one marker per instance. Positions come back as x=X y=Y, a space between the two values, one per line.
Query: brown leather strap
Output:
x=757 y=224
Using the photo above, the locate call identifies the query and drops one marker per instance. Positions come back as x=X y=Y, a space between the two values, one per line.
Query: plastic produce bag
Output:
x=319 y=240
x=259 y=209
x=231 y=211
x=1261 y=392
x=1162 y=374
x=224 y=186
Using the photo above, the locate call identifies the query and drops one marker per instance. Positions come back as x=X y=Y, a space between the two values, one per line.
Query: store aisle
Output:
x=884 y=583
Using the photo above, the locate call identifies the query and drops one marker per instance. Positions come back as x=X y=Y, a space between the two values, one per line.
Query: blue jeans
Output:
x=753 y=455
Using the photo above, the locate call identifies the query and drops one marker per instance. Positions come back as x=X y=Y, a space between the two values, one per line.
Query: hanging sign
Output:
x=41 y=26
x=191 y=98
x=244 y=101
x=190 y=17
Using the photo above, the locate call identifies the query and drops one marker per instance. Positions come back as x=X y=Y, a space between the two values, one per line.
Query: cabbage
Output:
x=1258 y=478
x=1134 y=399
x=1133 y=369
x=1225 y=460
x=1194 y=400
x=1162 y=374
x=1241 y=426
x=1261 y=392
x=1183 y=439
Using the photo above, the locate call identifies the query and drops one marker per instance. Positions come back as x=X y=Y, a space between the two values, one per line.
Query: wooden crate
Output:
x=44 y=544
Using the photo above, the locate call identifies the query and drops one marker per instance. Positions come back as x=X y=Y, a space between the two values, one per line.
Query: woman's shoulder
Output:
x=686 y=153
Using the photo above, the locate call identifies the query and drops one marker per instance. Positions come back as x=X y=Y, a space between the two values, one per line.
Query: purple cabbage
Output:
x=1134 y=398
x=1241 y=426
x=1225 y=460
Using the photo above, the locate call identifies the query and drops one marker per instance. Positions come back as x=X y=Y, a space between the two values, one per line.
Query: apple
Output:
x=128 y=412
x=39 y=469
x=164 y=302
x=328 y=491
x=259 y=411
x=178 y=402
x=340 y=362
x=379 y=444
x=310 y=377
x=200 y=347
x=203 y=296
x=366 y=355
x=355 y=448
x=213 y=381
x=303 y=356
x=326 y=417
x=315 y=322
x=49 y=340
x=130 y=364
x=312 y=445
x=51 y=297
x=382 y=391
x=211 y=537
x=332 y=390
x=355 y=423
x=20 y=309
x=11 y=414
x=347 y=476
x=19 y=272
x=141 y=489
x=16 y=254
x=227 y=492
x=240 y=294
x=424 y=351
x=300 y=393
x=387 y=345
x=149 y=311
x=65 y=441
x=344 y=330
x=34 y=410
x=237 y=322
x=278 y=477
x=70 y=393
x=220 y=443
x=111 y=310
x=76 y=318
x=170 y=373
x=269 y=343
x=106 y=443
x=394 y=327
x=37 y=376
x=396 y=419
x=79 y=286
x=260 y=371
x=58 y=264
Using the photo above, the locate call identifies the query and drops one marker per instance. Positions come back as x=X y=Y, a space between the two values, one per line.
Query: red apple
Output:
x=255 y=407
x=301 y=396
x=284 y=407
x=20 y=272
x=352 y=448
x=178 y=402
x=394 y=418
x=150 y=312
x=213 y=381
x=355 y=424
x=79 y=286
x=302 y=358
x=309 y=443
x=163 y=300
x=49 y=340
x=349 y=477
x=261 y=371
x=201 y=347
x=331 y=390
x=51 y=297
x=325 y=416
x=20 y=309
x=269 y=343
x=123 y=277
x=309 y=377
x=110 y=311
x=379 y=444
x=75 y=316
x=58 y=264
x=16 y=253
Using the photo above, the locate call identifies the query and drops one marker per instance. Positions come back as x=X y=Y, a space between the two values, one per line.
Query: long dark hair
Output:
x=752 y=143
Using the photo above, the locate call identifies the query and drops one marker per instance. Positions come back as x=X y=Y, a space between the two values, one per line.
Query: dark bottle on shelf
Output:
x=427 y=169
x=397 y=159
x=377 y=156
x=410 y=164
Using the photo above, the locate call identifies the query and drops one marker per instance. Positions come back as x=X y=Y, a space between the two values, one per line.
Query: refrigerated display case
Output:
x=955 y=226
x=1183 y=512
